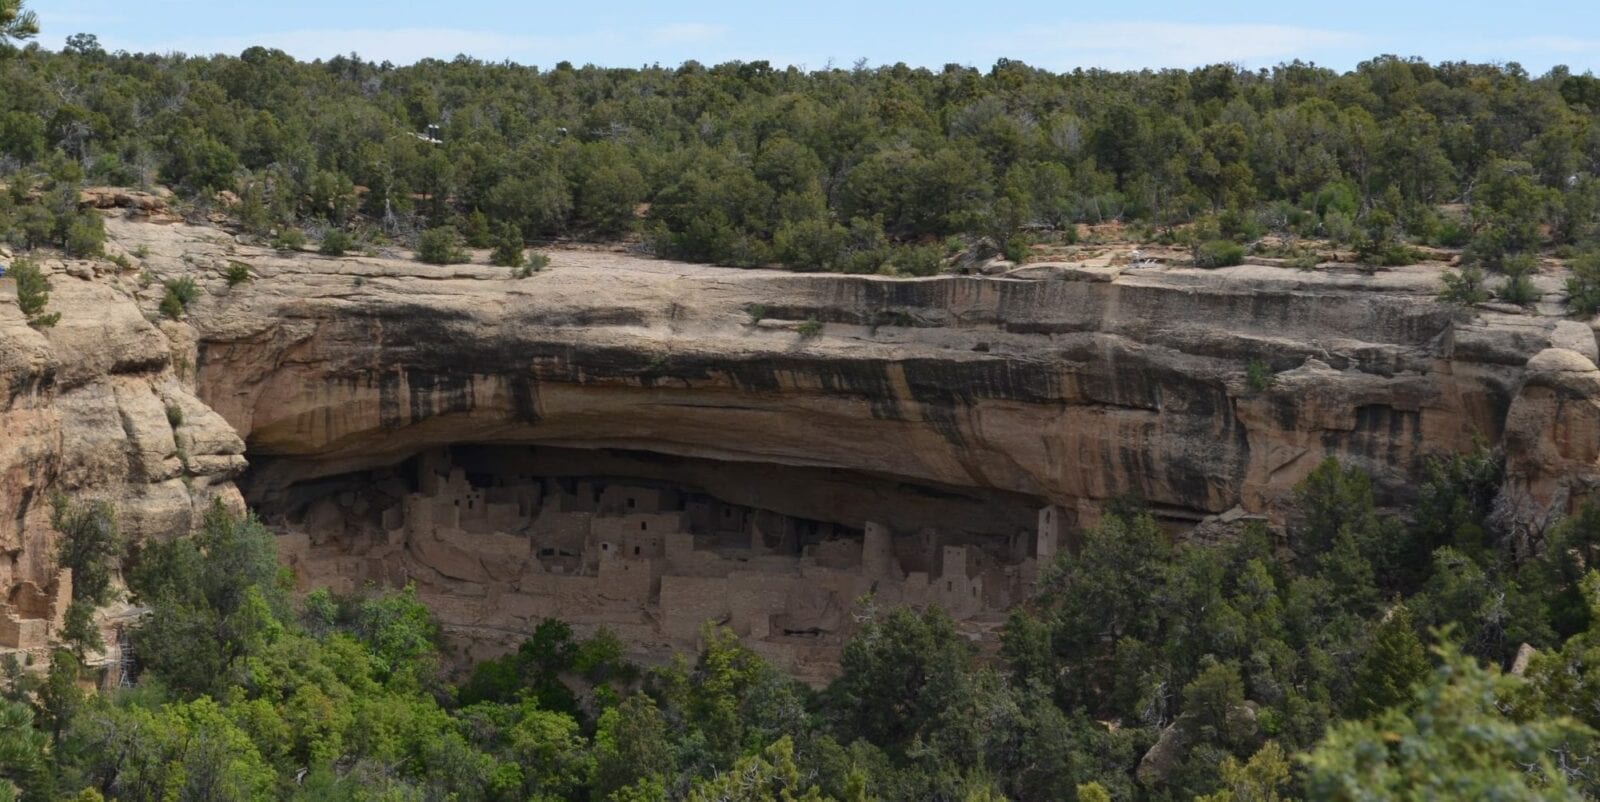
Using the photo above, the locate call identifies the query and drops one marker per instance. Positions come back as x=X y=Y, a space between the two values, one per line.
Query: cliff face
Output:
x=94 y=408
x=1066 y=385
x=1070 y=384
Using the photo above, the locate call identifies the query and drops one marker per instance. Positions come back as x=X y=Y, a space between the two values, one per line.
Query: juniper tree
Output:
x=508 y=250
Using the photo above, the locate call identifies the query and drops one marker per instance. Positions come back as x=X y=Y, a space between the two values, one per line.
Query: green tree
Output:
x=438 y=246
x=509 y=250
x=899 y=675
x=1454 y=742
x=335 y=242
x=33 y=293
x=1393 y=664
x=213 y=598
x=23 y=757
x=91 y=545
x=630 y=745
x=16 y=23
x=1465 y=287
x=771 y=776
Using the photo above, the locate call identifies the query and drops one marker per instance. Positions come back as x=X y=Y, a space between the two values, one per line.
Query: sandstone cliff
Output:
x=1064 y=384
x=1073 y=385
x=95 y=407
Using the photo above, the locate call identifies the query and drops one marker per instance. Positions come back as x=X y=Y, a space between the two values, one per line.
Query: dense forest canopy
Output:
x=865 y=169
x=1356 y=656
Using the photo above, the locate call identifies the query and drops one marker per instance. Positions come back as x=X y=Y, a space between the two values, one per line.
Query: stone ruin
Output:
x=493 y=551
x=31 y=616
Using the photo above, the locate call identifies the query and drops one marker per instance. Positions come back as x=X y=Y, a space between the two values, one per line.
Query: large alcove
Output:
x=496 y=538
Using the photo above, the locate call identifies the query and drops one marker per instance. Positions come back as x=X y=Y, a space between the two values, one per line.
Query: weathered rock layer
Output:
x=1067 y=385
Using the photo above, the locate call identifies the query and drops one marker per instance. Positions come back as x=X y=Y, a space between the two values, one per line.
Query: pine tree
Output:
x=1392 y=665
x=16 y=23
x=508 y=250
x=33 y=293
x=476 y=230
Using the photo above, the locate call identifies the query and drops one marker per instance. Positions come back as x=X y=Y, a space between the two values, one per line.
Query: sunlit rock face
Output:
x=962 y=404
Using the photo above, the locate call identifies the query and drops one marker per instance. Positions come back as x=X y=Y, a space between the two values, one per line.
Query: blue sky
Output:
x=1058 y=35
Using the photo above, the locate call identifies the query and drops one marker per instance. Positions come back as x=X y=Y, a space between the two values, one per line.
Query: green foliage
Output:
x=91 y=545
x=1458 y=744
x=1392 y=666
x=901 y=675
x=1583 y=288
x=476 y=231
x=180 y=292
x=33 y=293
x=1218 y=253
x=1016 y=249
x=85 y=235
x=1258 y=375
x=438 y=246
x=289 y=239
x=509 y=250
x=214 y=599
x=237 y=273
x=16 y=22
x=917 y=260
x=335 y=242
x=631 y=744
x=811 y=327
x=772 y=775
x=1465 y=287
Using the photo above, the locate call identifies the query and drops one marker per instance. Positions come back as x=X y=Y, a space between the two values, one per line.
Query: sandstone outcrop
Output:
x=93 y=407
x=1072 y=388
x=1053 y=385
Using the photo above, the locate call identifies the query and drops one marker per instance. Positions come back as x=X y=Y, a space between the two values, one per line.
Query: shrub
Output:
x=508 y=247
x=813 y=244
x=1394 y=255
x=1518 y=289
x=811 y=328
x=1338 y=226
x=1452 y=234
x=184 y=288
x=237 y=273
x=1016 y=250
x=537 y=262
x=476 y=231
x=917 y=260
x=174 y=415
x=1258 y=375
x=1583 y=288
x=171 y=308
x=1218 y=253
x=33 y=293
x=757 y=313
x=336 y=242
x=438 y=246
x=180 y=293
x=86 y=235
x=1465 y=288
x=289 y=239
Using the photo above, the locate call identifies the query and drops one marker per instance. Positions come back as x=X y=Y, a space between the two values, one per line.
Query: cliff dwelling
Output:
x=497 y=538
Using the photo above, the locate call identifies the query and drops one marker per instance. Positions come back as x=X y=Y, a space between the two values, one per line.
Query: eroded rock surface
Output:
x=1061 y=385
x=94 y=408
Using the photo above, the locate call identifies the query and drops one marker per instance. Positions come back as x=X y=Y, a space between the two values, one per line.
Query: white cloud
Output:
x=408 y=45
x=1135 y=45
x=687 y=33
x=1558 y=44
